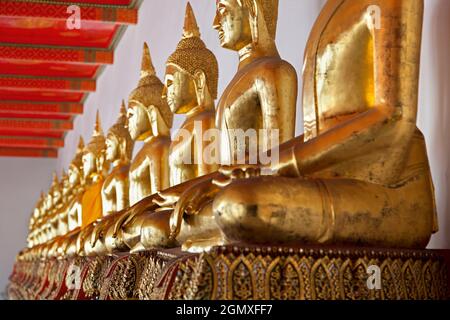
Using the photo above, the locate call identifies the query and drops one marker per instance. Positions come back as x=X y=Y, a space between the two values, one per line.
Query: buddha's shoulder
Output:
x=204 y=119
x=148 y=150
x=274 y=66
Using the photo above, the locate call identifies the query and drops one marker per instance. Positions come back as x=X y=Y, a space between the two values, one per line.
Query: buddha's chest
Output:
x=240 y=106
x=149 y=159
x=118 y=175
x=139 y=169
x=339 y=68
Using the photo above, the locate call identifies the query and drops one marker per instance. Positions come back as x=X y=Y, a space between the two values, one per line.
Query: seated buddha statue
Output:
x=54 y=200
x=261 y=97
x=95 y=167
x=35 y=218
x=74 y=203
x=62 y=212
x=115 y=190
x=191 y=88
x=60 y=216
x=44 y=226
x=119 y=148
x=76 y=188
x=150 y=121
x=360 y=174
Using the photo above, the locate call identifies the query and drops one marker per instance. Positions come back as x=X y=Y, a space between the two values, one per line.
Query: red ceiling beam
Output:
x=35 y=125
x=79 y=85
x=40 y=108
x=30 y=9
x=28 y=152
x=41 y=95
x=53 y=54
x=20 y=115
x=31 y=133
x=29 y=142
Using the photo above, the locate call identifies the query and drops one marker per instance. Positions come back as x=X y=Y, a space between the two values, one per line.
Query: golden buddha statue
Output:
x=149 y=120
x=95 y=167
x=119 y=148
x=115 y=191
x=261 y=97
x=34 y=222
x=60 y=219
x=360 y=174
x=76 y=187
x=62 y=212
x=44 y=227
x=54 y=204
x=67 y=248
x=74 y=208
x=191 y=88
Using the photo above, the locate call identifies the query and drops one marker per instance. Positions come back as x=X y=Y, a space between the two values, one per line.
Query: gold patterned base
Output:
x=249 y=273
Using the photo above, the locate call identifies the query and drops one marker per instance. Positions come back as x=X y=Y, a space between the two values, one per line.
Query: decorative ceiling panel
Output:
x=47 y=69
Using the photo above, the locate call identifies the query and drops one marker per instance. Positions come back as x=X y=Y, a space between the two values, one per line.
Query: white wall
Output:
x=434 y=104
x=160 y=23
x=21 y=181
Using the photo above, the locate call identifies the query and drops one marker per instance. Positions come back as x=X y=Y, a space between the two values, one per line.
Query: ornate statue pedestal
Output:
x=247 y=273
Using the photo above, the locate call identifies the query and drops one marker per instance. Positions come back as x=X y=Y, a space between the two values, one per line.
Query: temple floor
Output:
x=239 y=273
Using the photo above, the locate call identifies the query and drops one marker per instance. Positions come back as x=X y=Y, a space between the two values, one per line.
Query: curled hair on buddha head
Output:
x=120 y=131
x=150 y=89
x=192 y=54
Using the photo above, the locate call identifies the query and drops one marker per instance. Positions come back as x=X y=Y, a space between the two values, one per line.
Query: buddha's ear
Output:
x=200 y=79
x=252 y=7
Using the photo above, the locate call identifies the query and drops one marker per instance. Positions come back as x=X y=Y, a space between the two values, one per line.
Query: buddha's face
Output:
x=74 y=175
x=180 y=90
x=56 y=196
x=233 y=25
x=137 y=120
x=88 y=164
x=48 y=201
x=65 y=186
x=37 y=211
x=112 y=147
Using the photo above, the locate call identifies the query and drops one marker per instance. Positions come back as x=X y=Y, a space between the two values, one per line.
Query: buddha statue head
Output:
x=57 y=190
x=38 y=210
x=241 y=23
x=93 y=158
x=119 y=145
x=65 y=187
x=192 y=71
x=148 y=113
x=53 y=195
x=76 y=166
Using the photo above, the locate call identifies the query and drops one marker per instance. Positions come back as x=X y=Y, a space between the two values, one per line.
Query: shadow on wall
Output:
x=437 y=121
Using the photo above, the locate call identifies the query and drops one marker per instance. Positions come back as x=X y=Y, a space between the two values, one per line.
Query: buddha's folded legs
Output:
x=333 y=211
x=197 y=232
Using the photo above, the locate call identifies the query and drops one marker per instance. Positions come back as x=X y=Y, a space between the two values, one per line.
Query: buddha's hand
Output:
x=167 y=198
x=236 y=172
x=129 y=215
x=97 y=234
x=191 y=202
